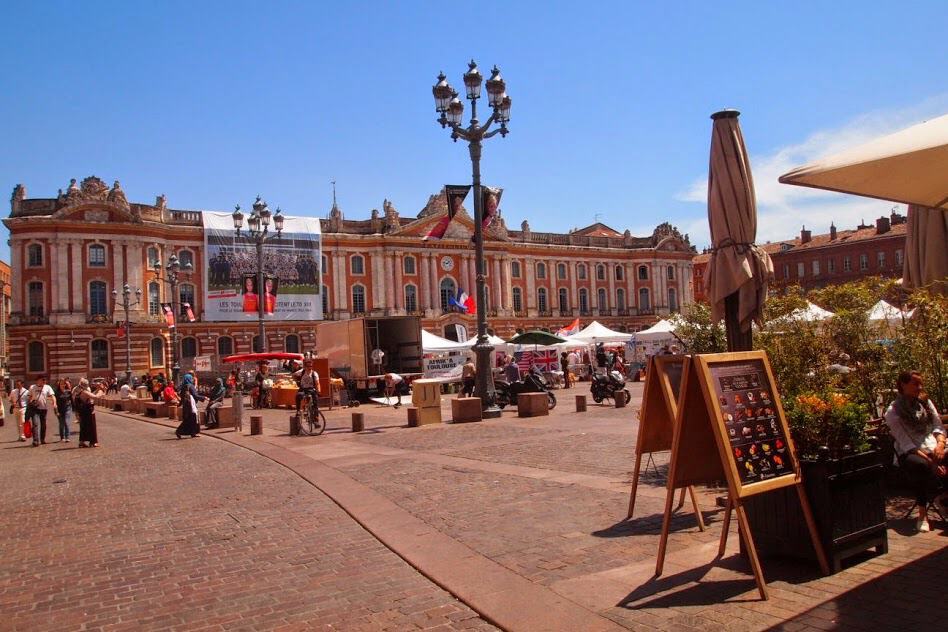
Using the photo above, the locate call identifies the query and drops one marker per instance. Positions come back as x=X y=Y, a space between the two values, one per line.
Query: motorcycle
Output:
x=606 y=386
x=505 y=393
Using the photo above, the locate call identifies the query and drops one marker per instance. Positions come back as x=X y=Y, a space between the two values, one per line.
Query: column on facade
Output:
x=398 y=266
x=630 y=272
x=55 y=280
x=75 y=246
x=593 y=290
x=118 y=267
x=136 y=277
x=62 y=270
x=573 y=288
x=341 y=287
x=464 y=274
x=529 y=268
x=611 y=278
x=508 y=283
x=378 y=297
x=424 y=278
x=17 y=286
x=496 y=284
x=434 y=285
x=388 y=279
x=553 y=296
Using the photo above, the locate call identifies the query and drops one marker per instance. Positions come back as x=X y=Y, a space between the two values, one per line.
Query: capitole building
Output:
x=69 y=252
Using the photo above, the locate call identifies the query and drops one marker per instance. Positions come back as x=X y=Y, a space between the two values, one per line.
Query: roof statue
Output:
x=391 y=217
x=19 y=194
x=117 y=195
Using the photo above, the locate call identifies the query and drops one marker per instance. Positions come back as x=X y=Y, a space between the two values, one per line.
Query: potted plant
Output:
x=843 y=478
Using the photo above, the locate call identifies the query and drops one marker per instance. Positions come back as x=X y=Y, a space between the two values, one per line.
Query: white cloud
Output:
x=783 y=209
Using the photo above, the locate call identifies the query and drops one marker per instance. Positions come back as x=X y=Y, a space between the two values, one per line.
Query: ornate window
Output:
x=880 y=259
x=98 y=305
x=672 y=299
x=620 y=298
x=847 y=264
x=36 y=298
x=292 y=343
x=34 y=255
x=515 y=269
x=409 y=265
x=541 y=299
x=600 y=272
x=601 y=295
x=154 y=257
x=541 y=270
x=801 y=269
x=448 y=291
x=358 y=299
x=644 y=303
x=831 y=265
x=225 y=346
x=96 y=256
x=257 y=347
x=185 y=258
x=154 y=298
x=186 y=296
x=157 y=352
x=189 y=347
x=863 y=261
x=815 y=267
x=99 y=354
x=411 y=298
x=357 y=264
x=583 y=300
x=670 y=273
x=561 y=271
x=620 y=272
x=563 y=299
x=35 y=357
x=581 y=272
x=643 y=273
x=517 y=299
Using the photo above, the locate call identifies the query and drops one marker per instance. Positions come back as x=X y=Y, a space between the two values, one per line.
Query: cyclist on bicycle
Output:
x=308 y=381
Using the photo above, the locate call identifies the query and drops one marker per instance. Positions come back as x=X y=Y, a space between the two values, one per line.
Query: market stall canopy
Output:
x=887 y=312
x=812 y=313
x=662 y=330
x=495 y=341
x=908 y=166
x=536 y=337
x=597 y=332
x=431 y=343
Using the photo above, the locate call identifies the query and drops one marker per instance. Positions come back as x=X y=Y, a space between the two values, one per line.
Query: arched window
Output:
x=358 y=299
x=601 y=296
x=563 y=299
x=34 y=255
x=541 y=299
x=225 y=346
x=99 y=354
x=581 y=272
x=154 y=258
x=96 y=256
x=98 y=305
x=583 y=300
x=600 y=272
x=411 y=298
x=644 y=304
x=561 y=271
x=515 y=269
x=448 y=291
x=620 y=298
x=541 y=270
x=36 y=357
x=256 y=346
x=357 y=264
x=643 y=273
x=186 y=297
x=670 y=271
x=189 y=347
x=620 y=273
x=517 y=299
x=157 y=352
x=292 y=343
x=35 y=297
x=154 y=298
x=186 y=258
x=325 y=301
x=409 y=265
x=672 y=299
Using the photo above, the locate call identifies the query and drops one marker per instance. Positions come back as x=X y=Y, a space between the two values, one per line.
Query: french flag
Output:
x=462 y=302
x=570 y=329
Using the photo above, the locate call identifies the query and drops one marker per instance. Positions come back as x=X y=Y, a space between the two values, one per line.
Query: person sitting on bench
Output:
x=215 y=401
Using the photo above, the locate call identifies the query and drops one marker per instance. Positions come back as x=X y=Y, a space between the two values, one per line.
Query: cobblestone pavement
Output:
x=151 y=533
x=546 y=497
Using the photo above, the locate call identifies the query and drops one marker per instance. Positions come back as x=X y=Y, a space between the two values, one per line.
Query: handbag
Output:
x=27 y=429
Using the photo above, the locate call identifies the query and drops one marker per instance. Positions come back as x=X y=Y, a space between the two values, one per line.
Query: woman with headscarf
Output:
x=83 y=404
x=215 y=401
x=919 y=437
x=189 y=398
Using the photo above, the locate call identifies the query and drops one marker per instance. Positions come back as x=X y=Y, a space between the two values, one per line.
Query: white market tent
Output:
x=431 y=343
x=499 y=344
x=662 y=330
x=597 y=332
x=811 y=313
x=883 y=311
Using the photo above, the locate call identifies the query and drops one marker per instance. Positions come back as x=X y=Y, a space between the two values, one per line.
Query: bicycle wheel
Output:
x=306 y=422
x=318 y=423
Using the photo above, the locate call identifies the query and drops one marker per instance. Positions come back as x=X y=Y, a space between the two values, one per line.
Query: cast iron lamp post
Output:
x=127 y=305
x=452 y=110
x=258 y=227
x=172 y=270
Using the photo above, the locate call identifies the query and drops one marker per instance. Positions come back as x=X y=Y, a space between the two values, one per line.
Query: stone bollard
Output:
x=580 y=403
x=620 y=399
x=172 y=411
x=358 y=422
x=256 y=425
x=294 y=426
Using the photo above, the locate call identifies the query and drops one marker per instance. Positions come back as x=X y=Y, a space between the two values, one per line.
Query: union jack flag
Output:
x=546 y=360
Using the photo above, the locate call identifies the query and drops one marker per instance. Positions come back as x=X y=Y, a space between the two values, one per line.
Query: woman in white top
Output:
x=919 y=438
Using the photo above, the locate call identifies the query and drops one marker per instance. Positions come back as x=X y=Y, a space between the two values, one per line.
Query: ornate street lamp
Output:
x=127 y=305
x=451 y=109
x=258 y=227
x=172 y=270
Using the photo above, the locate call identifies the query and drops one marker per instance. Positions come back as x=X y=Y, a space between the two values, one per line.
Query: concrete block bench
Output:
x=423 y=416
x=156 y=409
x=466 y=409
x=533 y=404
x=225 y=417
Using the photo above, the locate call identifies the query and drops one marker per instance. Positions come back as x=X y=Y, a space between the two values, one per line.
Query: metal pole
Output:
x=175 y=308
x=261 y=293
x=128 y=344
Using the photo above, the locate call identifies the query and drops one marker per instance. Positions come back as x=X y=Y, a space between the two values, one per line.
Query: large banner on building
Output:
x=290 y=266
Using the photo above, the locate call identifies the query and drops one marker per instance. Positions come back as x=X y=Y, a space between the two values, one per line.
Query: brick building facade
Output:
x=813 y=261
x=69 y=252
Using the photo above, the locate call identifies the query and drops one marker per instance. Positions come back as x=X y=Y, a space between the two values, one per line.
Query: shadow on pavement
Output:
x=687 y=588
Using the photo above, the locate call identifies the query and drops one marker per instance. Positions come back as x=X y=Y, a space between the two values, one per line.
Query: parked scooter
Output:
x=606 y=386
x=505 y=393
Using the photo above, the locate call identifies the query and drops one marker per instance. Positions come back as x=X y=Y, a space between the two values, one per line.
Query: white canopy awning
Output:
x=662 y=330
x=811 y=313
x=499 y=344
x=597 y=332
x=883 y=311
x=431 y=343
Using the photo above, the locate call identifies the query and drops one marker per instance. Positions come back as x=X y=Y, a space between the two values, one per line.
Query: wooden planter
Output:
x=848 y=502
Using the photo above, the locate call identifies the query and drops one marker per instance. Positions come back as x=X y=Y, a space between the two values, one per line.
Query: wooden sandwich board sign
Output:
x=657 y=419
x=729 y=400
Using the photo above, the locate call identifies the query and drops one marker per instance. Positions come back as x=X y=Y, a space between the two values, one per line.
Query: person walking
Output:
x=18 y=400
x=468 y=373
x=42 y=397
x=564 y=365
x=512 y=371
x=63 y=406
x=189 y=398
x=83 y=403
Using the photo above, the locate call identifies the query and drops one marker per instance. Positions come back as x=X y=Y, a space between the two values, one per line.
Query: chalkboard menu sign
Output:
x=758 y=443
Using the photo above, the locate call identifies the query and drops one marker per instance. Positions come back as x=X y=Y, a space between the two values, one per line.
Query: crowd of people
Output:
x=30 y=408
x=229 y=267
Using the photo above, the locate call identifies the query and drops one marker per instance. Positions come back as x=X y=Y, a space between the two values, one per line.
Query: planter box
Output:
x=848 y=503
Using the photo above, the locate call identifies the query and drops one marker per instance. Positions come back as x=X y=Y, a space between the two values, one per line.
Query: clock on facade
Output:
x=447 y=264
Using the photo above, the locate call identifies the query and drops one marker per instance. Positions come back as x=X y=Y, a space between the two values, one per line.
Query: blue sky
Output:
x=212 y=103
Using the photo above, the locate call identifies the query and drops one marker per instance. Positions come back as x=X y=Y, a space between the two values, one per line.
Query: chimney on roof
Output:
x=805 y=235
x=832 y=231
x=896 y=218
x=882 y=225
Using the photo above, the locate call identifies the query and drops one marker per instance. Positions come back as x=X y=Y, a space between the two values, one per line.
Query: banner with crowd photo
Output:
x=291 y=262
